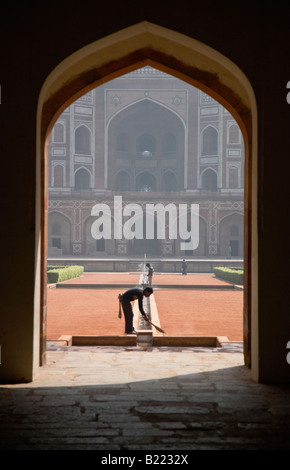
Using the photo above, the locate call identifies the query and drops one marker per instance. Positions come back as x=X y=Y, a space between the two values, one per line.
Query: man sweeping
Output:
x=125 y=300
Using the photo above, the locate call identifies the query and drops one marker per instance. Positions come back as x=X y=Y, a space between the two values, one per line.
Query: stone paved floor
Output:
x=131 y=398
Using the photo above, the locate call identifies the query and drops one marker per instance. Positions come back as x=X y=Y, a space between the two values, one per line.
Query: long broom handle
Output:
x=120 y=316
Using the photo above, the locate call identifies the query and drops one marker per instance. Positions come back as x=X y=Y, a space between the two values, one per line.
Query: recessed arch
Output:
x=59 y=239
x=145 y=181
x=82 y=178
x=59 y=132
x=147 y=141
x=146 y=144
x=209 y=180
x=82 y=139
x=226 y=235
x=58 y=174
x=233 y=134
x=144 y=100
x=209 y=140
x=189 y=60
x=91 y=244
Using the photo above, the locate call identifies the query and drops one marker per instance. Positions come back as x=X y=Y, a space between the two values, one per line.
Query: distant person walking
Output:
x=184 y=268
x=125 y=299
x=150 y=274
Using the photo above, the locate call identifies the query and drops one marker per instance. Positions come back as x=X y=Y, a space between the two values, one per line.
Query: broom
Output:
x=157 y=327
x=120 y=316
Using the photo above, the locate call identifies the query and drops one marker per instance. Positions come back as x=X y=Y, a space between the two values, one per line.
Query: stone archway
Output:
x=189 y=60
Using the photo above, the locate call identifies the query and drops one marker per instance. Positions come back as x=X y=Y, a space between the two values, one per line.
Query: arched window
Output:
x=83 y=141
x=82 y=179
x=58 y=132
x=233 y=177
x=234 y=134
x=58 y=176
x=145 y=145
x=145 y=182
x=210 y=141
x=59 y=231
x=209 y=181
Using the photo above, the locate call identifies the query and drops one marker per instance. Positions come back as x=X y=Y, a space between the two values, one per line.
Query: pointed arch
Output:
x=145 y=182
x=59 y=233
x=209 y=140
x=83 y=140
x=190 y=60
x=82 y=179
x=209 y=179
x=231 y=234
x=148 y=141
x=145 y=144
x=58 y=133
x=58 y=174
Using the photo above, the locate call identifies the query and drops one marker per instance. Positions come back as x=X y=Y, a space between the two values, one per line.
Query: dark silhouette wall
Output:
x=35 y=38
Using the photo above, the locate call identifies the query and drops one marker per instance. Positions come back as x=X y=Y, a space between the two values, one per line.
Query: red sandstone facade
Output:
x=150 y=138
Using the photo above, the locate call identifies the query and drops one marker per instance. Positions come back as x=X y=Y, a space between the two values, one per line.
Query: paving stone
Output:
x=152 y=432
x=186 y=400
x=117 y=418
x=172 y=425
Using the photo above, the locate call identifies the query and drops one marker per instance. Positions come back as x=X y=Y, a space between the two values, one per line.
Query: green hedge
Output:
x=235 y=275
x=61 y=274
x=49 y=268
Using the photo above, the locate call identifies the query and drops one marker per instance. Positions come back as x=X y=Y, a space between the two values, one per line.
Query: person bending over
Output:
x=126 y=298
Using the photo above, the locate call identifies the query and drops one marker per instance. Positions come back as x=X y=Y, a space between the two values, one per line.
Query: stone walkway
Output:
x=131 y=398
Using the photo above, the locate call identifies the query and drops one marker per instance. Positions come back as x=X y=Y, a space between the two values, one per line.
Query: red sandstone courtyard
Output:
x=182 y=312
